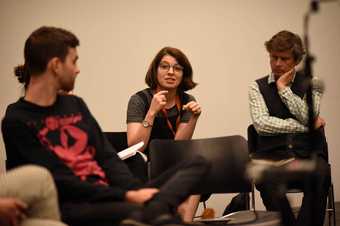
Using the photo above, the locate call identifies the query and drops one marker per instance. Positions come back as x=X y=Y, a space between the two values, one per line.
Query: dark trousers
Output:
x=315 y=186
x=175 y=186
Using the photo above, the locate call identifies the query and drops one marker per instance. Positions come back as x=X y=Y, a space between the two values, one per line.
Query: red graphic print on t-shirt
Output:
x=72 y=146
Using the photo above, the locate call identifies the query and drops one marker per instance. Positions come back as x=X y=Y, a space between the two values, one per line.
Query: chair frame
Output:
x=330 y=209
x=180 y=153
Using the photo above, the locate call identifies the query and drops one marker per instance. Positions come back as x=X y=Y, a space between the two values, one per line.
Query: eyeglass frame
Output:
x=176 y=68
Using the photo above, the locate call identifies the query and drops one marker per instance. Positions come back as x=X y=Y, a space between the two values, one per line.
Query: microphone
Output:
x=318 y=84
x=314 y=4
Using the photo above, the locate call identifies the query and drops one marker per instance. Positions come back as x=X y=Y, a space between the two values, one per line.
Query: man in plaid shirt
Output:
x=279 y=113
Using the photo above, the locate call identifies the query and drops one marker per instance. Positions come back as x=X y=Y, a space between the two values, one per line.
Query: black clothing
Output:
x=273 y=101
x=56 y=137
x=66 y=139
x=160 y=129
x=138 y=107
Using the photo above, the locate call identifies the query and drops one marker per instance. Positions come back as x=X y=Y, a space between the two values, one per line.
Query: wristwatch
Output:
x=146 y=124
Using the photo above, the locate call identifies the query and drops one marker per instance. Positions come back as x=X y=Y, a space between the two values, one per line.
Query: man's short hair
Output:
x=40 y=47
x=286 y=40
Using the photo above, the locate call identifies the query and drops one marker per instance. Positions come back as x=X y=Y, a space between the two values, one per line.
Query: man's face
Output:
x=69 y=71
x=281 y=62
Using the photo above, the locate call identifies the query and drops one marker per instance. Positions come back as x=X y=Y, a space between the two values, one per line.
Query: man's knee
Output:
x=36 y=174
x=41 y=222
x=36 y=180
x=32 y=170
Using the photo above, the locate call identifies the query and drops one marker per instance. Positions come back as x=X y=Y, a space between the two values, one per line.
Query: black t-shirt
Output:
x=66 y=139
x=139 y=105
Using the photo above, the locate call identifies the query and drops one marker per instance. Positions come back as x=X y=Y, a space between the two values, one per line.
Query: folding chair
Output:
x=228 y=156
x=136 y=164
x=252 y=146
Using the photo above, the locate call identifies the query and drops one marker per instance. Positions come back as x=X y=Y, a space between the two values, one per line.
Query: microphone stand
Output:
x=282 y=172
x=308 y=70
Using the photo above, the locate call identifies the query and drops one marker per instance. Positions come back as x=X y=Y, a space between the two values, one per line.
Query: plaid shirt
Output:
x=270 y=125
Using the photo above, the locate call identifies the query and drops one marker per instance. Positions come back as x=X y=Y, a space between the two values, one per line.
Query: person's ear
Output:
x=55 y=65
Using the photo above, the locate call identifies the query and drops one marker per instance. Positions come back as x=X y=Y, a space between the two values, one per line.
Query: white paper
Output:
x=130 y=151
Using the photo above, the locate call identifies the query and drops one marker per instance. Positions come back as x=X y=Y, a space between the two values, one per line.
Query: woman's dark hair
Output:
x=286 y=40
x=40 y=47
x=187 y=80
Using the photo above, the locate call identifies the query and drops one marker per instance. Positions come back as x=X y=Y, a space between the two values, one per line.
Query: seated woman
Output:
x=164 y=110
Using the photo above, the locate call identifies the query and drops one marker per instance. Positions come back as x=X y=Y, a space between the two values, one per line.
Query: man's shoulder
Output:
x=69 y=97
x=15 y=115
x=262 y=79
x=22 y=109
x=69 y=100
x=13 y=108
x=254 y=85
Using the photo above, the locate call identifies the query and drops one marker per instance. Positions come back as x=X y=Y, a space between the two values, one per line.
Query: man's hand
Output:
x=158 y=102
x=12 y=211
x=285 y=79
x=140 y=196
x=193 y=107
x=319 y=122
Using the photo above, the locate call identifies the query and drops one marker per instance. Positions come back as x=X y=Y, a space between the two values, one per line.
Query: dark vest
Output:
x=160 y=129
x=273 y=101
x=299 y=143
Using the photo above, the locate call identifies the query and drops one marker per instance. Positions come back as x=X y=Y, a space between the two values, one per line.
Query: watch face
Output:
x=146 y=124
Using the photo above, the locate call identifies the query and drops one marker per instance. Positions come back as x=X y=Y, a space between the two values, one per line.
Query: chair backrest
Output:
x=228 y=156
x=252 y=138
x=117 y=139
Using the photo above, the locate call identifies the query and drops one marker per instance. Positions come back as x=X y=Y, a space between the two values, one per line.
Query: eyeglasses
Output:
x=166 y=67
